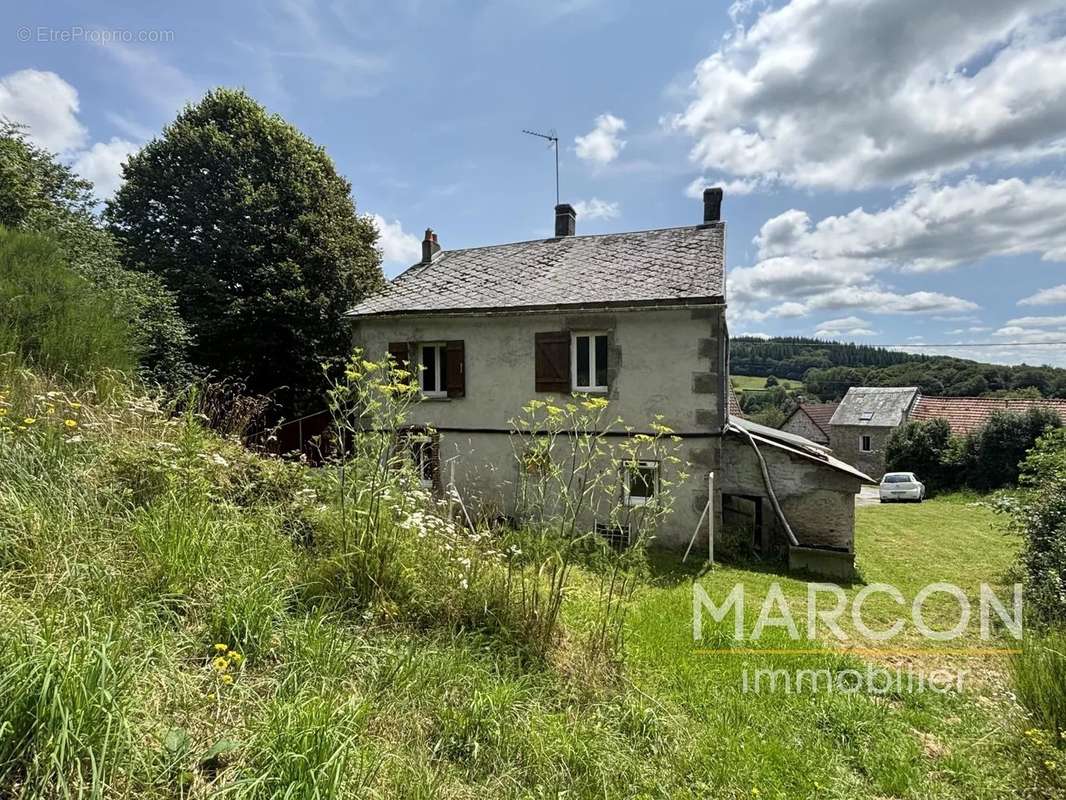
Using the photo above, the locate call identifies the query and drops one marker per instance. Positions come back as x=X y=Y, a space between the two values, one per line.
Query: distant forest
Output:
x=828 y=369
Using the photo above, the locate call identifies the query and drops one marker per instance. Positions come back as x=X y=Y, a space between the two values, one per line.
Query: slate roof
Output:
x=967 y=414
x=670 y=266
x=876 y=406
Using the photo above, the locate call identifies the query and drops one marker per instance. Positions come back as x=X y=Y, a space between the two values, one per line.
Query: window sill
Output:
x=436 y=396
x=638 y=502
x=591 y=389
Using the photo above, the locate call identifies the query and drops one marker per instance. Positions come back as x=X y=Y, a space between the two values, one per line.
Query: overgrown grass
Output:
x=180 y=618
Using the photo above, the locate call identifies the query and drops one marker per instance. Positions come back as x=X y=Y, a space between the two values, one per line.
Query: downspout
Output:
x=769 y=486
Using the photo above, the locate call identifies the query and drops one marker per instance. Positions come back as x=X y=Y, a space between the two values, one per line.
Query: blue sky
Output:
x=893 y=170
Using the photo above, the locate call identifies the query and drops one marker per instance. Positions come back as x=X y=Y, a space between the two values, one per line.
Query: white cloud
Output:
x=602 y=144
x=847 y=94
x=1038 y=322
x=396 y=244
x=739 y=186
x=102 y=164
x=597 y=209
x=47 y=105
x=845 y=326
x=1046 y=297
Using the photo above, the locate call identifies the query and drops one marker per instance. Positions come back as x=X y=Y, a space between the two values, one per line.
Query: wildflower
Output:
x=235 y=657
x=29 y=420
x=227 y=679
x=3 y=412
x=1049 y=764
x=75 y=406
x=221 y=648
x=220 y=664
x=71 y=423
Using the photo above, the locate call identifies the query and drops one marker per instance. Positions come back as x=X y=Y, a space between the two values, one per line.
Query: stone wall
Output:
x=844 y=440
x=817 y=500
x=802 y=425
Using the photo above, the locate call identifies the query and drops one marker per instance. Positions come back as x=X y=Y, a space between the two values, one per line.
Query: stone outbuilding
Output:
x=811 y=421
x=863 y=422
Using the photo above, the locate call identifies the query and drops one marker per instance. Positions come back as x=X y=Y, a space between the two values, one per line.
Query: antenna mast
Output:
x=553 y=141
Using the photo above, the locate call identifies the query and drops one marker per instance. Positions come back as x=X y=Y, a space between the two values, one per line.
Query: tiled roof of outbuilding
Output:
x=819 y=413
x=679 y=266
x=967 y=414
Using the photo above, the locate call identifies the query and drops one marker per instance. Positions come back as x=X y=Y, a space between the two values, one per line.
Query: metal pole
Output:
x=556 y=171
x=710 y=517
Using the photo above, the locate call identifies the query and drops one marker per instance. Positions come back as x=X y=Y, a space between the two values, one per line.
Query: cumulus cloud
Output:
x=1056 y=295
x=102 y=164
x=845 y=94
x=840 y=262
x=47 y=105
x=396 y=244
x=597 y=209
x=602 y=144
x=845 y=326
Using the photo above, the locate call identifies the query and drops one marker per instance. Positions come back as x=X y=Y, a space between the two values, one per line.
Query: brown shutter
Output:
x=456 y=377
x=552 y=361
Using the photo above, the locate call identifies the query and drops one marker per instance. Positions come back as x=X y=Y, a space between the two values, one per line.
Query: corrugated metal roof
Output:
x=877 y=406
x=665 y=266
x=794 y=444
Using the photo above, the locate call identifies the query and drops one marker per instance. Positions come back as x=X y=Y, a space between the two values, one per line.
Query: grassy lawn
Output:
x=906 y=743
x=746 y=383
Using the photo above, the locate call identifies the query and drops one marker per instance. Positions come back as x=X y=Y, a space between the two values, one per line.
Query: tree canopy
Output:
x=248 y=222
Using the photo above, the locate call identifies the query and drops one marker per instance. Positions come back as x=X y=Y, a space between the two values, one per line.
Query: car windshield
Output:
x=898 y=477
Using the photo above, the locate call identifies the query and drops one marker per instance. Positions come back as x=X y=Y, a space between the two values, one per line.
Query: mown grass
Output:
x=140 y=551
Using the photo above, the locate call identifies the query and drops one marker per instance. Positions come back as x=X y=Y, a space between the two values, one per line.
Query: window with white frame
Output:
x=433 y=369
x=588 y=357
x=423 y=454
x=641 y=482
x=865 y=444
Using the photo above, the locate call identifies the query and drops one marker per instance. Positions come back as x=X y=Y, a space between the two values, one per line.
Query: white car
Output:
x=901 y=486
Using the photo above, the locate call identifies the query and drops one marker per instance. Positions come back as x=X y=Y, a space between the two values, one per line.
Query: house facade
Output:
x=637 y=319
x=862 y=424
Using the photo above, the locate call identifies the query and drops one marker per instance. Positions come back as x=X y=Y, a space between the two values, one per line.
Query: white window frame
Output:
x=627 y=473
x=592 y=388
x=442 y=380
x=421 y=448
x=865 y=438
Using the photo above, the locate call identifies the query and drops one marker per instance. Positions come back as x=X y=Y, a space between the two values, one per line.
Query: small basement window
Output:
x=433 y=363
x=424 y=456
x=865 y=444
x=641 y=482
x=589 y=358
x=617 y=535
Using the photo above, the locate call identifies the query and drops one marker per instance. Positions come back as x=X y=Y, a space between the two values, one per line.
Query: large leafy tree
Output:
x=39 y=193
x=248 y=222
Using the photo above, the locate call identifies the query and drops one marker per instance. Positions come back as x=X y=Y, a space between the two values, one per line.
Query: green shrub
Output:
x=1039 y=674
x=994 y=452
x=924 y=448
x=54 y=319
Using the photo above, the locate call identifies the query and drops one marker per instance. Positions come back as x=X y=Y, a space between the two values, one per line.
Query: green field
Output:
x=752 y=383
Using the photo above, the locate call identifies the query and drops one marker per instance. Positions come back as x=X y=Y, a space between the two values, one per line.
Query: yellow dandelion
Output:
x=221 y=664
x=227 y=679
x=29 y=420
x=71 y=423
x=236 y=657
x=1049 y=764
x=3 y=412
x=222 y=648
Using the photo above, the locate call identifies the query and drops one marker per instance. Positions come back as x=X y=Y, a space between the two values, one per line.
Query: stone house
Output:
x=636 y=318
x=863 y=422
x=811 y=421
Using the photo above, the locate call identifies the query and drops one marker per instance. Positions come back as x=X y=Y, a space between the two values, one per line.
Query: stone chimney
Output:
x=712 y=204
x=565 y=220
x=429 y=246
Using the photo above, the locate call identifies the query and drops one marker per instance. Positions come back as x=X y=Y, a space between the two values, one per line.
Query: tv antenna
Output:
x=553 y=141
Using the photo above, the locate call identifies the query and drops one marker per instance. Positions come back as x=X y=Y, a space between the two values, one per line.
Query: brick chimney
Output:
x=565 y=220
x=712 y=204
x=429 y=246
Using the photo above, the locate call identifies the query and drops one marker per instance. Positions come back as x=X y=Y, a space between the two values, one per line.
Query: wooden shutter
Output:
x=552 y=361
x=456 y=372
